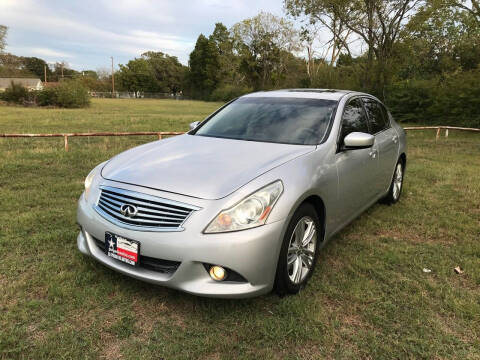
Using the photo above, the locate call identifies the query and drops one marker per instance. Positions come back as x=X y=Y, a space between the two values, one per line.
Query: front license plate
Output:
x=122 y=249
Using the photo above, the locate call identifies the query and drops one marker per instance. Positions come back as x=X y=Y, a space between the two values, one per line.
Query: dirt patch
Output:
x=112 y=350
x=112 y=345
x=450 y=327
x=152 y=311
x=35 y=335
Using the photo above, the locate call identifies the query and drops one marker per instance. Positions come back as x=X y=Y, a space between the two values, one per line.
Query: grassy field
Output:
x=368 y=298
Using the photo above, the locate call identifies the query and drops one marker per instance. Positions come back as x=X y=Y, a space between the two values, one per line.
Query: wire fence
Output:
x=135 y=95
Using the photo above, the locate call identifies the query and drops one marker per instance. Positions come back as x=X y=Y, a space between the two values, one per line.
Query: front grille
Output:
x=131 y=209
x=149 y=263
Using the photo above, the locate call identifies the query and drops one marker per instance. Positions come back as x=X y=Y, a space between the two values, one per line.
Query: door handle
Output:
x=373 y=154
x=395 y=139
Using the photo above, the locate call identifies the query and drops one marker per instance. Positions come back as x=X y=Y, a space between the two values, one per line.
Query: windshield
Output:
x=278 y=120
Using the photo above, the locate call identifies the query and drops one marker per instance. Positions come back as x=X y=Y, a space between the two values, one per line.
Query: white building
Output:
x=29 y=83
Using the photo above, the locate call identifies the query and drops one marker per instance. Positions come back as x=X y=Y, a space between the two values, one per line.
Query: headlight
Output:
x=250 y=212
x=90 y=177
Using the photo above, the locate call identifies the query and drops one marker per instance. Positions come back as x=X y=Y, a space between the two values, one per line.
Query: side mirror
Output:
x=194 y=124
x=358 y=140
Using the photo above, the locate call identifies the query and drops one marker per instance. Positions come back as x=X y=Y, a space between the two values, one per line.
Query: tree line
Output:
x=421 y=57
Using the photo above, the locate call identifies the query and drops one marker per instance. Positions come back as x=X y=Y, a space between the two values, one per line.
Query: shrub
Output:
x=47 y=97
x=453 y=99
x=71 y=94
x=410 y=100
x=457 y=100
x=16 y=93
x=228 y=92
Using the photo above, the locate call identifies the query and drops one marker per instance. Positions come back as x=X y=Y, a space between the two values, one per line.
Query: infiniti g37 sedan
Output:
x=242 y=203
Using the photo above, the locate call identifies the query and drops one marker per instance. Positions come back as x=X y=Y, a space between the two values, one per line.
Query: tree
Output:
x=203 y=76
x=137 y=75
x=378 y=23
x=318 y=20
x=62 y=70
x=264 y=44
x=227 y=59
x=36 y=66
x=12 y=66
x=152 y=72
x=472 y=7
x=167 y=70
x=438 y=39
x=3 y=37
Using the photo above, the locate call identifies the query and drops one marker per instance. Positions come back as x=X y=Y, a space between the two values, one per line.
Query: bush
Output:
x=410 y=100
x=16 y=93
x=228 y=92
x=47 y=97
x=453 y=99
x=71 y=94
x=457 y=100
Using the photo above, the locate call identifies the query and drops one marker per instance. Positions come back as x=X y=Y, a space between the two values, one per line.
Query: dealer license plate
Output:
x=122 y=249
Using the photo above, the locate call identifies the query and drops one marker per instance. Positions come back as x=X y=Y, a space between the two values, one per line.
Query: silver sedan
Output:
x=243 y=203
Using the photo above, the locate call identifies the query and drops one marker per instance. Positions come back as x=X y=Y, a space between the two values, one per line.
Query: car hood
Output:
x=198 y=166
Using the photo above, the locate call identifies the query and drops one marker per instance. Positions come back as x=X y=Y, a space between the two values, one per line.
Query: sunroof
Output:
x=315 y=90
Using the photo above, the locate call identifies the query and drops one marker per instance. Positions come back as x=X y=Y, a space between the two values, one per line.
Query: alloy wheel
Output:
x=397 y=181
x=301 y=250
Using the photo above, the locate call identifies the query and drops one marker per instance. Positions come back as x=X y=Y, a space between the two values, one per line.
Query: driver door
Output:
x=357 y=169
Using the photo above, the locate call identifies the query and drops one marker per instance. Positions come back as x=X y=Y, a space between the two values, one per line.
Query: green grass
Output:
x=368 y=298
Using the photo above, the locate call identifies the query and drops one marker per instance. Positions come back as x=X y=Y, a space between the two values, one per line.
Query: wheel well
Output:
x=403 y=157
x=319 y=206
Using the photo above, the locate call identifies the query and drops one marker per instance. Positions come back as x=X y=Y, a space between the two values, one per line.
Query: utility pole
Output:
x=113 y=78
x=62 y=69
x=45 y=72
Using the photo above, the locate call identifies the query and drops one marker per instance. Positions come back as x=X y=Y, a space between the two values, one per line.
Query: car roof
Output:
x=326 y=94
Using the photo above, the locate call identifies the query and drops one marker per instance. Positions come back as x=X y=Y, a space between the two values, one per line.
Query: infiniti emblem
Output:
x=128 y=210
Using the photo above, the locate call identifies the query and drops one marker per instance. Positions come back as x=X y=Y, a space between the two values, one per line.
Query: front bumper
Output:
x=251 y=253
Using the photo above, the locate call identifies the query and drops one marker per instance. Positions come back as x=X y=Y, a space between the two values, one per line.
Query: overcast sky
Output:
x=85 y=33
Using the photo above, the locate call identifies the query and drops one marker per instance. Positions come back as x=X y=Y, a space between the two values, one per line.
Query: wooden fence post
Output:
x=65 y=139
x=438 y=135
x=159 y=136
x=446 y=133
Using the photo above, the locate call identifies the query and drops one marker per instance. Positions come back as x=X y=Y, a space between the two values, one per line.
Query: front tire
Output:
x=396 y=185
x=299 y=252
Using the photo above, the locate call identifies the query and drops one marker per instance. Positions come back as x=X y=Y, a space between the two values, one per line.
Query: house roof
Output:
x=27 y=82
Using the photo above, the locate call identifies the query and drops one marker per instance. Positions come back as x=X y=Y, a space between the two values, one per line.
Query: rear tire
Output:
x=396 y=185
x=299 y=252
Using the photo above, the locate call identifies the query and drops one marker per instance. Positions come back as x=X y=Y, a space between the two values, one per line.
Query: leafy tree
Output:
x=89 y=73
x=137 y=75
x=167 y=70
x=12 y=66
x=264 y=43
x=93 y=82
x=203 y=76
x=228 y=61
x=378 y=23
x=152 y=72
x=470 y=7
x=62 y=70
x=438 y=39
x=36 y=66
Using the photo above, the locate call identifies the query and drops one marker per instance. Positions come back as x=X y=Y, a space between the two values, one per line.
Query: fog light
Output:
x=217 y=273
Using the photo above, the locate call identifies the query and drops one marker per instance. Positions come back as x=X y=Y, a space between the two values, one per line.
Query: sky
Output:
x=86 y=33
